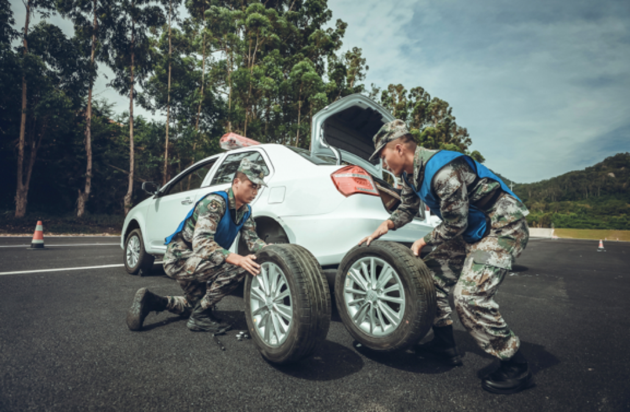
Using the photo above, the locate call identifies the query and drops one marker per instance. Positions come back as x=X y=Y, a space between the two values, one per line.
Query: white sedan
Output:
x=325 y=199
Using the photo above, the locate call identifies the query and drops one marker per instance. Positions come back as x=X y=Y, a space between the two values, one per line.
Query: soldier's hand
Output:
x=246 y=262
x=382 y=229
x=417 y=246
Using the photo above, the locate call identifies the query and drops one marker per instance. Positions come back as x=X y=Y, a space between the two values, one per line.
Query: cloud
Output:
x=541 y=86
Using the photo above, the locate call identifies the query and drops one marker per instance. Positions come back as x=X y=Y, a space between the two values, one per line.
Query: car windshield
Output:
x=318 y=159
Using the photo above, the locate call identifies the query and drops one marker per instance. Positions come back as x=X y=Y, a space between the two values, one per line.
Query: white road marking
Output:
x=22 y=272
x=73 y=244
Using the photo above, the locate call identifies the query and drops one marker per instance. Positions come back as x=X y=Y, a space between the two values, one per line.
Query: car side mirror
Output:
x=151 y=188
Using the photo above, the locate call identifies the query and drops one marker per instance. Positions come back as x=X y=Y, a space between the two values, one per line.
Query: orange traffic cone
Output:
x=38 y=236
x=601 y=246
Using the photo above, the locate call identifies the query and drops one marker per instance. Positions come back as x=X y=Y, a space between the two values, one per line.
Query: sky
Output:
x=543 y=87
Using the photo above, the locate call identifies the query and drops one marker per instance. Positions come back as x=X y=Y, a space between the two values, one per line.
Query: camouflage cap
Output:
x=388 y=132
x=253 y=171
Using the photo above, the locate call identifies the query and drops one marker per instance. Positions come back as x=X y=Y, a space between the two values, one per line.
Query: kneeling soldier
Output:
x=198 y=259
x=483 y=230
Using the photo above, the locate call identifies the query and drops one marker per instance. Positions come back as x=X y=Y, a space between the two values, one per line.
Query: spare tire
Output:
x=385 y=296
x=287 y=306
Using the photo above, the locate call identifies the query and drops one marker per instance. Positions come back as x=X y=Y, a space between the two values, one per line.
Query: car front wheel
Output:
x=385 y=296
x=137 y=260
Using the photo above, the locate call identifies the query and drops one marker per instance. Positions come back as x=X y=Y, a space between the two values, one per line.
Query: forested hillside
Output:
x=597 y=197
x=260 y=69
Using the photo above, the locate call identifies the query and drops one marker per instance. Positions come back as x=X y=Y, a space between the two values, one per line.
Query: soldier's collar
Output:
x=232 y=200
x=418 y=163
x=420 y=158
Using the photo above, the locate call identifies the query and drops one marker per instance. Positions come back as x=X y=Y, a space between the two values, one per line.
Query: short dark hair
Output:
x=406 y=140
x=240 y=176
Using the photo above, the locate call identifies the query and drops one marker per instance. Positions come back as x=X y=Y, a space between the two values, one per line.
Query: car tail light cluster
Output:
x=351 y=180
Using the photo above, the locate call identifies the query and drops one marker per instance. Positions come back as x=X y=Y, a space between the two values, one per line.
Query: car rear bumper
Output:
x=330 y=236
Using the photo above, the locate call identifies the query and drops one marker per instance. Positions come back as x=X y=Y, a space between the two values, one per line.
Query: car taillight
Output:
x=351 y=180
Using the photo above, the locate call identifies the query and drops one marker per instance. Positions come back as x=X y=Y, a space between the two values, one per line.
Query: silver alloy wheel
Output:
x=133 y=251
x=374 y=296
x=271 y=305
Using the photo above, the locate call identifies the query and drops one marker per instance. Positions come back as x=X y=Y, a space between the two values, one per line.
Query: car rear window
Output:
x=313 y=158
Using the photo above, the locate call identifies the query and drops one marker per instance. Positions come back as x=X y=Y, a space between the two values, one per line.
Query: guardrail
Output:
x=540 y=232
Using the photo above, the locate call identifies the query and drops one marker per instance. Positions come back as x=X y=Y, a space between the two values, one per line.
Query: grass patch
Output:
x=69 y=224
x=621 y=235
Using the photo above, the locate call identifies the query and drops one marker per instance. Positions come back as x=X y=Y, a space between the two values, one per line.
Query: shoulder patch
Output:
x=216 y=203
x=212 y=203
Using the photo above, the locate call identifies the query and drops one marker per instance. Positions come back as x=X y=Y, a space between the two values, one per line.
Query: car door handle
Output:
x=187 y=201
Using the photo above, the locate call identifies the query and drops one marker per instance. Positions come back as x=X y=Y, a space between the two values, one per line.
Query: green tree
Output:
x=10 y=70
x=28 y=63
x=55 y=65
x=131 y=60
x=430 y=120
x=305 y=83
x=345 y=74
x=92 y=25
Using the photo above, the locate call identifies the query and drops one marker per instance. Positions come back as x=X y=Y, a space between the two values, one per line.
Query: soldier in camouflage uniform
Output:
x=483 y=230
x=198 y=259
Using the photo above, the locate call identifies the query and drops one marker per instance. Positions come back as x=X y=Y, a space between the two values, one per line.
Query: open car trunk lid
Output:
x=347 y=127
x=344 y=130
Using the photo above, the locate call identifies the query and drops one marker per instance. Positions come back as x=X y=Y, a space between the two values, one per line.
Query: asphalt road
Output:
x=64 y=344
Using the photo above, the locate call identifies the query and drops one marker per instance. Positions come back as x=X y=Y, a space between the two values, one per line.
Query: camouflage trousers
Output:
x=475 y=271
x=207 y=283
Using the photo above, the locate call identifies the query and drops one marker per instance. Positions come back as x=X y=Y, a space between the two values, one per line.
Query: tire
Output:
x=379 y=319
x=306 y=300
x=273 y=234
x=136 y=259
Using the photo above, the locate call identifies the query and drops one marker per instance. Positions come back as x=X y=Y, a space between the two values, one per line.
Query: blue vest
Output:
x=227 y=228
x=478 y=222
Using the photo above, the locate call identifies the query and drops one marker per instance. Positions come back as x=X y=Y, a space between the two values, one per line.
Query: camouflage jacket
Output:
x=453 y=186
x=196 y=240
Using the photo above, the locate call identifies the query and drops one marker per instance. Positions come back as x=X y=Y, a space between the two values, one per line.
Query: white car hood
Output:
x=348 y=125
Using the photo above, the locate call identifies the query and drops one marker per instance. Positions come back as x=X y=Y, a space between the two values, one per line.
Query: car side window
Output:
x=191 y=180
x=227 y=170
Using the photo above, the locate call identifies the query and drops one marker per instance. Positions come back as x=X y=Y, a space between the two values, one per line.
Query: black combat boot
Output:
x=443 y=346
x=205 y=320
x=511 y=377
x=143 y=303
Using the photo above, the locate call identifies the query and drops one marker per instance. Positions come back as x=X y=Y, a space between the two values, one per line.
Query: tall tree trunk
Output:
x=85 y=194
x=297 y=139
x=252 y=61
x=127 y=199
x=229 y=68
x=21 y=193
x=267 y=119
x=203 y=68
x=310 y=126
x=34 y=146
x=168 y=99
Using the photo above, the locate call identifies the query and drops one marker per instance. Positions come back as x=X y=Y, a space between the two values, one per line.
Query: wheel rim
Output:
x=374 y=296
x=133 y=251
x=271 y=304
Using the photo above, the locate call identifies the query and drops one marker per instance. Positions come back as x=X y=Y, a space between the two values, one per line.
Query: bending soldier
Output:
x=198 y=259
x=483 y=230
